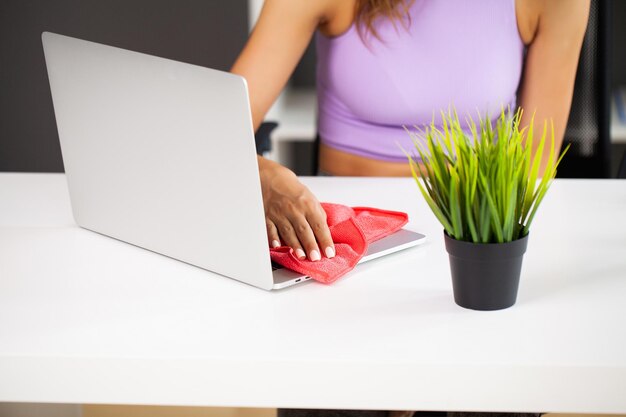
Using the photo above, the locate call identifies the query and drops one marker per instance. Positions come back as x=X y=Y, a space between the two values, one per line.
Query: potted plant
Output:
x=484 y=188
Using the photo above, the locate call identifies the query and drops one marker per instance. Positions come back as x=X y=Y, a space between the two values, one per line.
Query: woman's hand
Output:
x=293 y=215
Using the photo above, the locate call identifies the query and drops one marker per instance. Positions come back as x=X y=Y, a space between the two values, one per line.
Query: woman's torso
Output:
x=454 y=52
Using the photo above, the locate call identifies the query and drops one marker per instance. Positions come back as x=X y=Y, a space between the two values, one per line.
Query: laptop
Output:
x=161 y=154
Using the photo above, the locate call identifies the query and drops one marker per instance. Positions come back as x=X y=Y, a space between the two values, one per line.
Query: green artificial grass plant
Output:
x=483 y=186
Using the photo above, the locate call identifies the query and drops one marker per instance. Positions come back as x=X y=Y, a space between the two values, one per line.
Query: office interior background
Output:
x=211 y=33
x=208 y=33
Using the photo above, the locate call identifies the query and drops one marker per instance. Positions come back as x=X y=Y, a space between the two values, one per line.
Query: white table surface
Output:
x=87 y=319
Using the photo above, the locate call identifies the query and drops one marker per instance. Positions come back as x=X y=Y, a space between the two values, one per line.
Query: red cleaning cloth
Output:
x=352 y=229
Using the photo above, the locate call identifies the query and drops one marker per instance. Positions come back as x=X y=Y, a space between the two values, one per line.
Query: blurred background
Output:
x=211 y=33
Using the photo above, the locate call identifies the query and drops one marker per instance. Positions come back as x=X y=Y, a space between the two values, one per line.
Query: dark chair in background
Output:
x=262 y=137
x=589 y=125
x=621 y=171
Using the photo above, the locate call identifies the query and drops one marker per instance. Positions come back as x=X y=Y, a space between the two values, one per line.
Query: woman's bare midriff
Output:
x=341 y=163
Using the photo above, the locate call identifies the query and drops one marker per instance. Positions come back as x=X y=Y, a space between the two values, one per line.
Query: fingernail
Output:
x=275 y=243
x=330 y=252
x=315 y=255
x=300 y=254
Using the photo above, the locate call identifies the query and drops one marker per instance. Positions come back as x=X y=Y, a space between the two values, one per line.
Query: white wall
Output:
x=254 y=9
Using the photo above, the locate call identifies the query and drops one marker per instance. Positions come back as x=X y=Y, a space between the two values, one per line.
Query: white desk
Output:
x=87 y=319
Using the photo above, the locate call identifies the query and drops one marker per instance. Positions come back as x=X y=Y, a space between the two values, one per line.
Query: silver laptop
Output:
x=161 y=154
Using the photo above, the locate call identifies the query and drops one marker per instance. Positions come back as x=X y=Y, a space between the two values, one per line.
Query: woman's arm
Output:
x=551 y=61
x=282 y=33
x=292 y=213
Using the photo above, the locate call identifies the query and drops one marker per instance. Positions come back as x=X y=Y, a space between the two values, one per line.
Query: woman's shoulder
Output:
x=327 y=13
x=536 y=15
x=338 y=18
x=528 y=13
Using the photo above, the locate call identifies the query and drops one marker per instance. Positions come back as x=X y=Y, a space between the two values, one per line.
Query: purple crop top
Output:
x=455 y=52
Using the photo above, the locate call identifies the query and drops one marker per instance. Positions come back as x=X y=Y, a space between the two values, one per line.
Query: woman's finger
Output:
x=306 y=236
x=272 y=234
x=289 y=237
x=319 y=226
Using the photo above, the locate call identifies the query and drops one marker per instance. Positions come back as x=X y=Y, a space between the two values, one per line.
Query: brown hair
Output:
x=367 y=11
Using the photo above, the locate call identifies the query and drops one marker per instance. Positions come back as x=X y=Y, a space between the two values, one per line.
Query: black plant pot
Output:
x=485 y=276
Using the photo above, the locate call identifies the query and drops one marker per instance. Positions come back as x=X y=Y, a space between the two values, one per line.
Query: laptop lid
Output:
x=160 y=154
